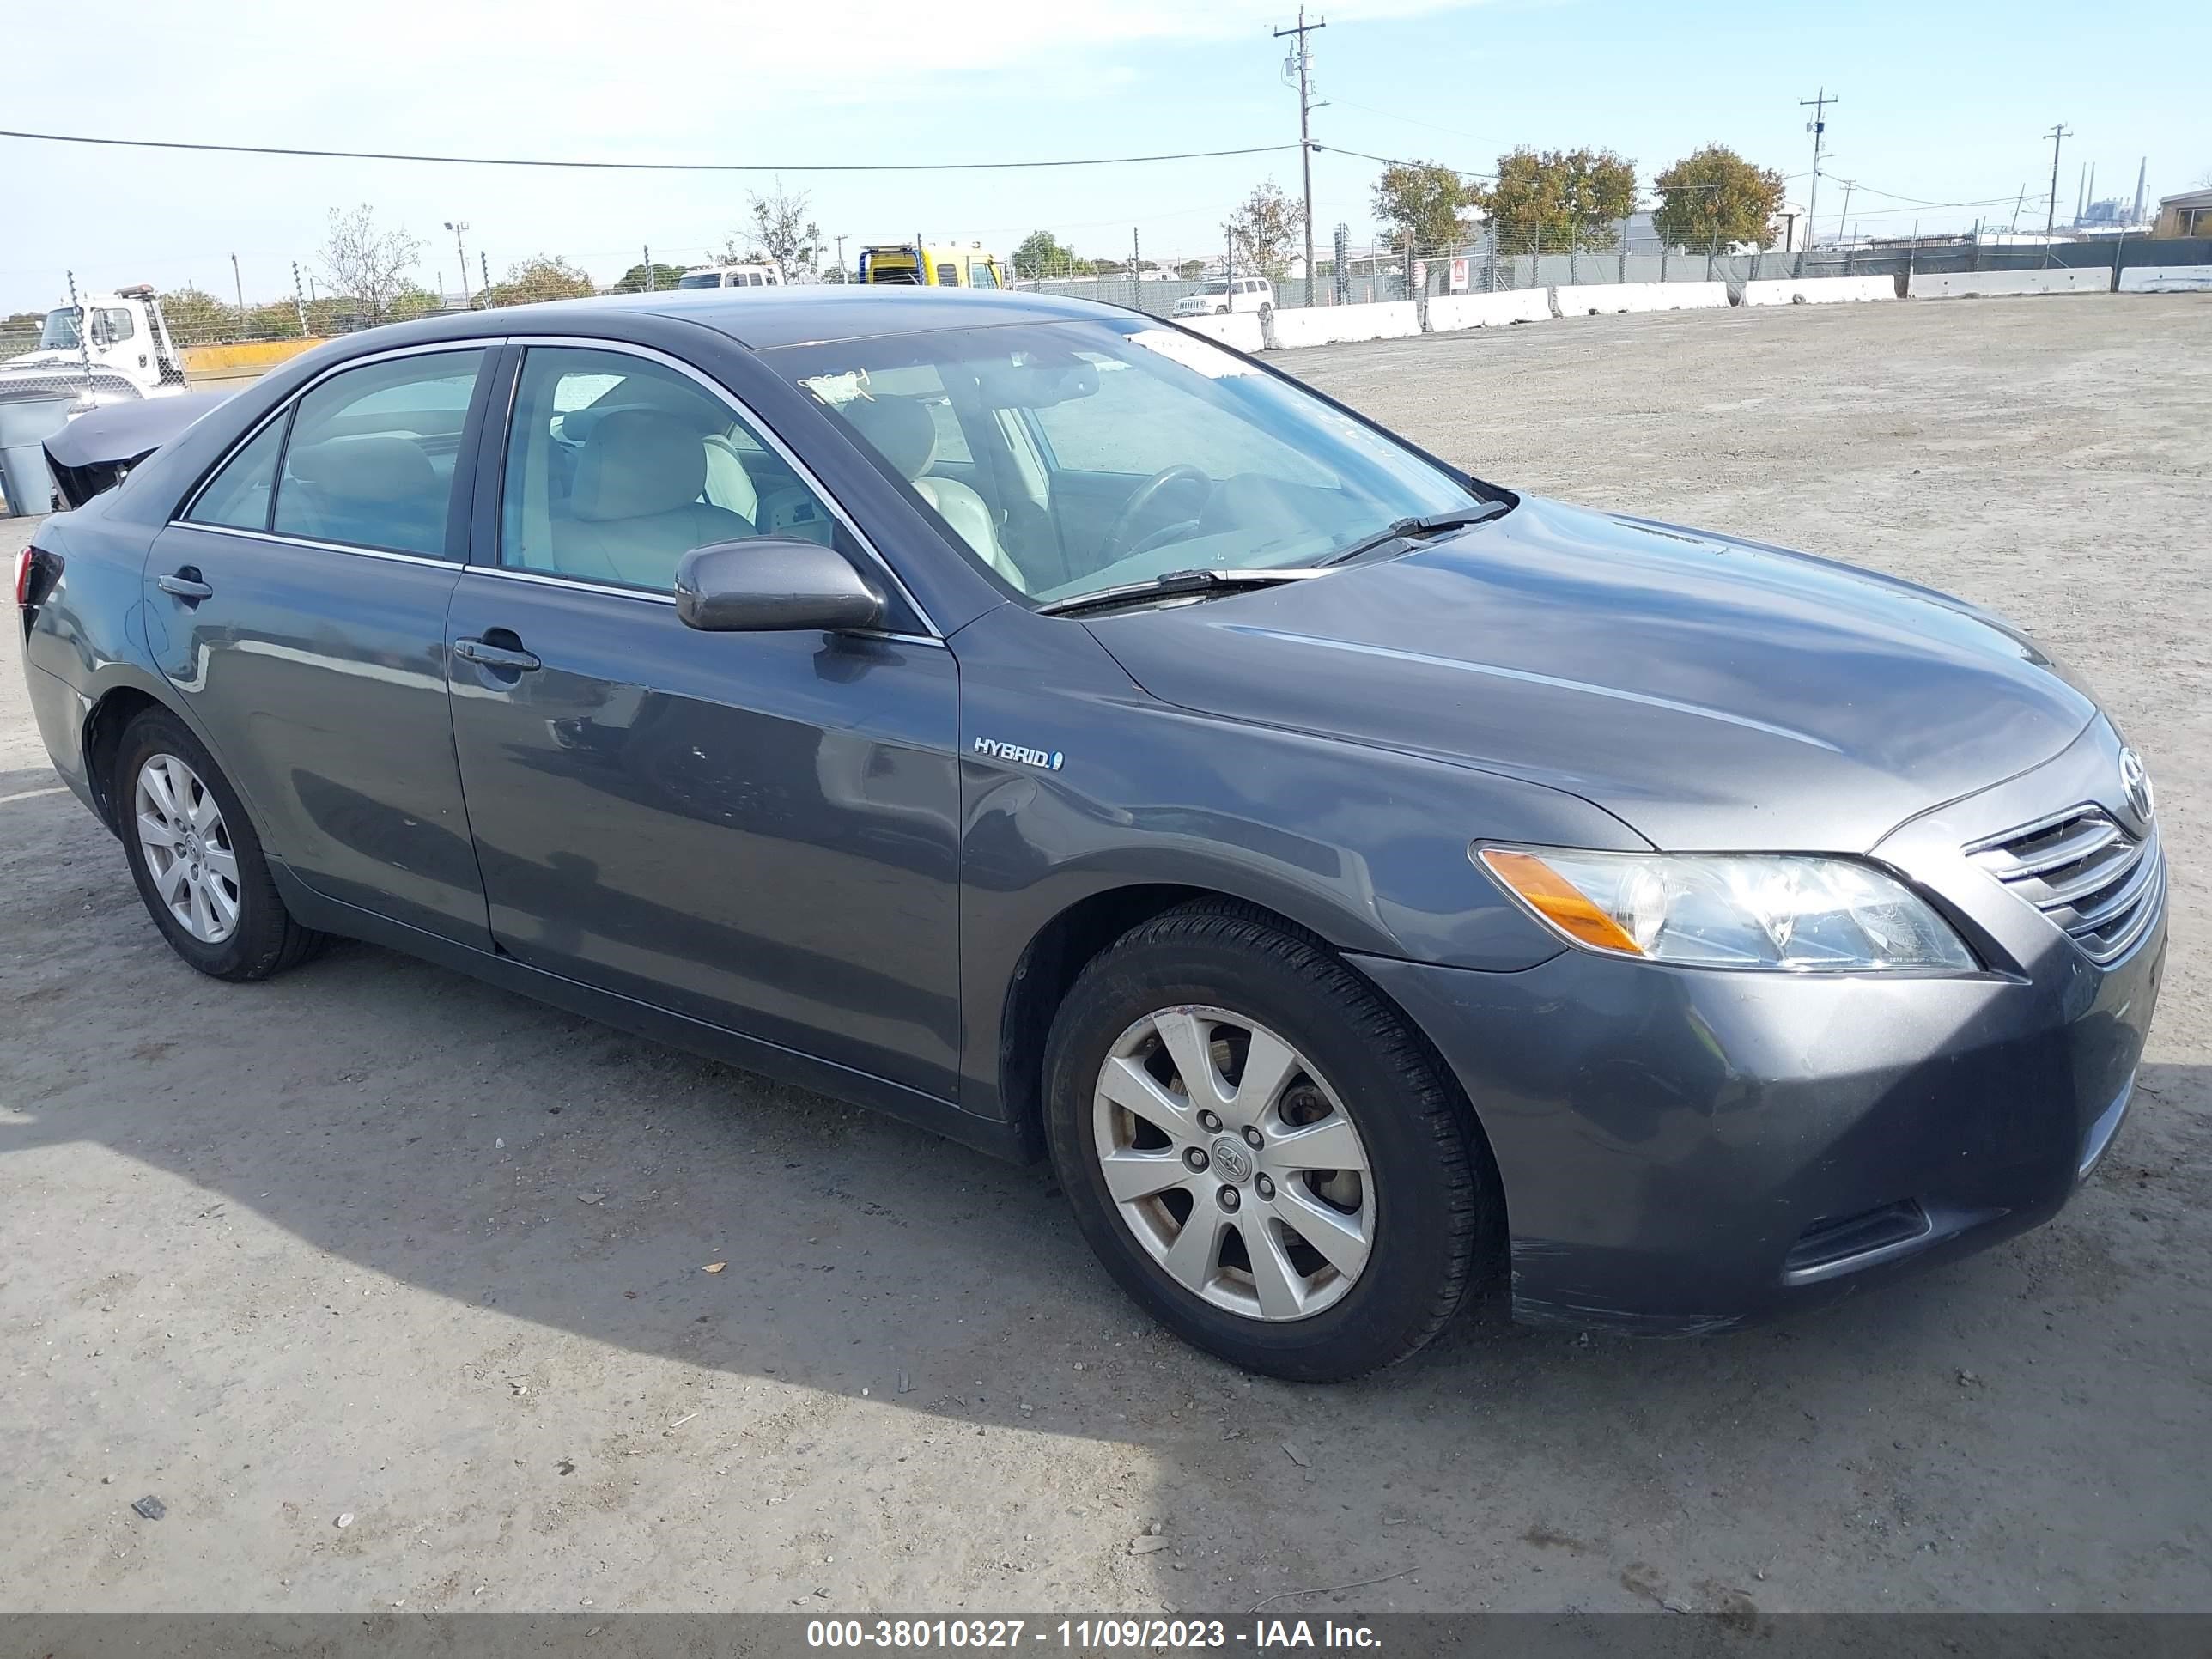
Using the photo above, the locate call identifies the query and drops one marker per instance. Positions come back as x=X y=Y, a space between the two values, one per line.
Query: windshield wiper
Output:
x=1175 y=584
x=1427 y=524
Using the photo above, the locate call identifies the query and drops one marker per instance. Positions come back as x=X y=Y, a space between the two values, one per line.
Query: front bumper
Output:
x=1682 y=1151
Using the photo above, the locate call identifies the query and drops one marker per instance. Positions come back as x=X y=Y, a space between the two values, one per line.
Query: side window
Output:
x=238 y=496
x=618 y=466
x=948 y=276
x=370 y=461
x=982 y=275
x=117 y=324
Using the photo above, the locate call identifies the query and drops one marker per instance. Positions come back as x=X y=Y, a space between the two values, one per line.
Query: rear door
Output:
x=298 y=607
x=757 y=830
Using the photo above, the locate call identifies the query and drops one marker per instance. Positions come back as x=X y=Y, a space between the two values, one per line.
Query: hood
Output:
x=1711 y=693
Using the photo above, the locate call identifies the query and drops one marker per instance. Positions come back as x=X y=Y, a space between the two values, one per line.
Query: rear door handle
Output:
x=495 y=656
x=186 y=585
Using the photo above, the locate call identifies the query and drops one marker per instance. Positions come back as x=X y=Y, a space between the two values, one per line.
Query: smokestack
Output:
x=2081 y=192
x=2142 y=170
x=2093 y=184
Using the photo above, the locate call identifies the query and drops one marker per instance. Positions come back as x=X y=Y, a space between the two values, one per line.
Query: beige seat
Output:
x=635 y=509
x=903 y=434
x=728 y=483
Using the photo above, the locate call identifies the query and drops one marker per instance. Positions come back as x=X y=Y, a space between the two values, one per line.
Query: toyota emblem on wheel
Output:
x=2135 y=783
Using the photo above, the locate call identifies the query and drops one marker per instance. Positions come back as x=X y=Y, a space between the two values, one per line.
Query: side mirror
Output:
x=769 y=584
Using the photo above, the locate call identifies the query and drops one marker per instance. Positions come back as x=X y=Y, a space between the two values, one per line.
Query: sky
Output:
x=1940 y=103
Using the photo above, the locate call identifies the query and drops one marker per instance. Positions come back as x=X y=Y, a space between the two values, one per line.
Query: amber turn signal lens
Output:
x=1557 y=900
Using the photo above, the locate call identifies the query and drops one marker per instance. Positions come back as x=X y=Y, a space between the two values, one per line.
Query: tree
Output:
x=1265 y=229
x=781 y=234
x=634 y=281
x=1559 y=200
x=1420 y=202
x=1043 y=254
x=366 y=263
x=1714 y=198
x=546 y=277
x=1191 y=270
x=195 y=317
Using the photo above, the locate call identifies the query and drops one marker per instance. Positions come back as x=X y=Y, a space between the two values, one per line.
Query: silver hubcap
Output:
x=187 y=848
x=1234 y=1163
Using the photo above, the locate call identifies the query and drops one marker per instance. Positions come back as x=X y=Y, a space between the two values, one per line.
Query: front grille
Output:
x=2103 y=886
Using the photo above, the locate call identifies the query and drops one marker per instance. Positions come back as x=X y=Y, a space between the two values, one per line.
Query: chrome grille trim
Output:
x=2103 y=886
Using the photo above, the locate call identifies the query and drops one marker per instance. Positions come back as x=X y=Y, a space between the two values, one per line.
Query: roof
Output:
x=2188 y=199
x=765 y=317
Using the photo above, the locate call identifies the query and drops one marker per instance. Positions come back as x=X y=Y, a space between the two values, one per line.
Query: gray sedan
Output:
x=1371 y=887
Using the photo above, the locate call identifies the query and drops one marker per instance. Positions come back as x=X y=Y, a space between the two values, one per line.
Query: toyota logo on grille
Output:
x=2135 y=783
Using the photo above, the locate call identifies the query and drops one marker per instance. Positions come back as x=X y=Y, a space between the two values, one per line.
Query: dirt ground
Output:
x=388 y=1285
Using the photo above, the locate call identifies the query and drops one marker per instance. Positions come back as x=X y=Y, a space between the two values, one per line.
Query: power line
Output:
x=637 y=166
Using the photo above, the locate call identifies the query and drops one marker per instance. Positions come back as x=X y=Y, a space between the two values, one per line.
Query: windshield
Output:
x=1069 y=458
x=1215 y=288
x=60 y=333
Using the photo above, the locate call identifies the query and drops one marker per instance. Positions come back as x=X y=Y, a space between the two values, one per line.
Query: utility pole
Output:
x=1818 y=126
x=237 y=285
x=1844 y=218
x=1302 y=56
x=2016 y=207
x=457 y=226
x=2057 y=135
x=841 y=258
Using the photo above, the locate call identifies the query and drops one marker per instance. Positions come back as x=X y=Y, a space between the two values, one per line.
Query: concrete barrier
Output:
x=1390 y=319
x=1601 y=298
x=1450 y=313
x=1818 y=290
x=1240 y=329
x=2167 y=279
x=1989 y=284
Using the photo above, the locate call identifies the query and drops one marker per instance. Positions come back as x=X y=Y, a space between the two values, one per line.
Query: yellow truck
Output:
x=919 y=264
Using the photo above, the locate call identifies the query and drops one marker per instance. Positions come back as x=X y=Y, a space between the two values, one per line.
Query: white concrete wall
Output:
x=2167 y=279
x=1448 y=313
x=1973 y=284
x=1599 y=299
x=1818 y=290
x=1240 y=329
x=1391 y=320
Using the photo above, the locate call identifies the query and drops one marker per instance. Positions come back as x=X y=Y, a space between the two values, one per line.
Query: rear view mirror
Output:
x=768 y=584
x=1037 y=383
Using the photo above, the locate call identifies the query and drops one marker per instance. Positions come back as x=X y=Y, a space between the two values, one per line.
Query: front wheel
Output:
x=1262 y=1152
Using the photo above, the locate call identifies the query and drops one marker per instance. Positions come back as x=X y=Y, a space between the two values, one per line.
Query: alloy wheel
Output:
x=187 y=848
x=1233 y=1162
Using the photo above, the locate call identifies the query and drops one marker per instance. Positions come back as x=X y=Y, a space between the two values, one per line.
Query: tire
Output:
x=260 y=938
x=1425 y=1204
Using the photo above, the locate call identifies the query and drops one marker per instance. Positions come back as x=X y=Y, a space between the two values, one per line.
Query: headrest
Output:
x=900 y=429
x=379 y=467
x=637 y=463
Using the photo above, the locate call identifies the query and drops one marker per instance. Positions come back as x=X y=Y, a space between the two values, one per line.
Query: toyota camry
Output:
x=1374 y=889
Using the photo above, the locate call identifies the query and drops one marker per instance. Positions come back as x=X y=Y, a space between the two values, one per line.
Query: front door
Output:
x=298 y=610
x=759 y=830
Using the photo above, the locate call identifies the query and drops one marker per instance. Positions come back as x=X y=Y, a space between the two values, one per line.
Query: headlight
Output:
x=1800 y=914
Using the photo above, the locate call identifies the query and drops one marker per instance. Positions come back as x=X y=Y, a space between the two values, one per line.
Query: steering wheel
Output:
x=1133 y=510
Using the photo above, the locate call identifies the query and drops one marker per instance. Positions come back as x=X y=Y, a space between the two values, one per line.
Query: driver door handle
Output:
x=495 y=656
x=186 y=585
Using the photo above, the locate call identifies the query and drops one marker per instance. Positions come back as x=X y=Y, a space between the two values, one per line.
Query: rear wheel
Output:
x=1261 y=1151
x=195 y=856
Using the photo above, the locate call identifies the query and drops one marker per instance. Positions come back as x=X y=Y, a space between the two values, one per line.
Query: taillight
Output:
x=23 y=561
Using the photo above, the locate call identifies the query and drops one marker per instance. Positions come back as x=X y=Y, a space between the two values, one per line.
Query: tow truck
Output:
x=111 y=348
